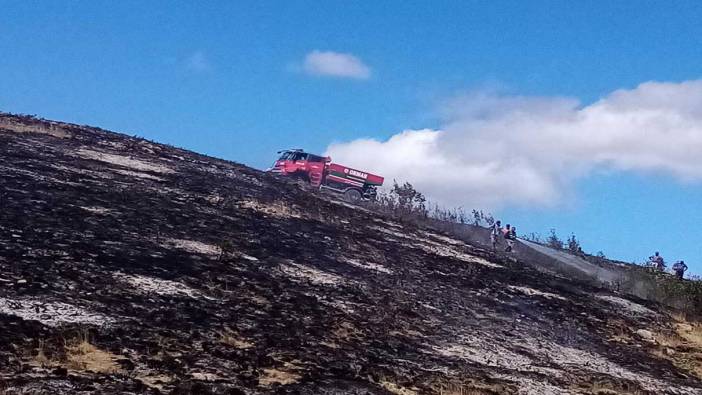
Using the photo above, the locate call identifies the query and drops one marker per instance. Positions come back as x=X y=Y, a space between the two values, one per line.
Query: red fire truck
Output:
x=320 y=172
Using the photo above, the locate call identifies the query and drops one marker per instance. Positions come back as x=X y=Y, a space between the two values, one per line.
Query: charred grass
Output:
x=340 y=332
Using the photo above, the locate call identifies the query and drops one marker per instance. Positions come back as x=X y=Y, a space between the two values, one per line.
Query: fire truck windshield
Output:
x=297 y=155
x=293 y=155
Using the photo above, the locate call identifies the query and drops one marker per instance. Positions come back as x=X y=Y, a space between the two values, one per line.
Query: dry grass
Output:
x=155 y=380
x=125 y=161
x=40 y=359
x=679 y=316
x=276 y=209
x=472 y=388
x=234 y=340
x=682 y=346
x=443 y=388
x=691 y=346
x=395 y=388
x=81 y=355
x=691 y=332
x=607 y=389
x=346 y=331
x=53 y=129
x=284 y=376
x=619 y=331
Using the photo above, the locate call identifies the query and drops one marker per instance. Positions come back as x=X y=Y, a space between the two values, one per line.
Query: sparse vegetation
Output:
x=82 y=355
x=554 y=241
x=574 y=245
x=77 y=353
x=405 y=203
x=402 y=201
x=40 y=358
x=533 y=237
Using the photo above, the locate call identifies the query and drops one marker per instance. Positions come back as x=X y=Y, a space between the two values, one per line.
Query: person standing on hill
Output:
x=679 y=268
x=506 y=230
x=511 y=236
x=658 y=262
x=495 y=234
x=507 y=234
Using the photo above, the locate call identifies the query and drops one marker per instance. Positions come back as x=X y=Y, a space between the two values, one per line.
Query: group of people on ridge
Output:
x=509 y=233
x=658 y=263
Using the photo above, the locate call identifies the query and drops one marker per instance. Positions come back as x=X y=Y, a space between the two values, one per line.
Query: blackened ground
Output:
x=191 y=274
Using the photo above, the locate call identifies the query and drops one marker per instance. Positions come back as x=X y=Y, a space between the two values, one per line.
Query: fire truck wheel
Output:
x=352 y=195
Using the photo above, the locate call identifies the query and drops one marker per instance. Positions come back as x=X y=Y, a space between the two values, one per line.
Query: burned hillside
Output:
x=128 y=266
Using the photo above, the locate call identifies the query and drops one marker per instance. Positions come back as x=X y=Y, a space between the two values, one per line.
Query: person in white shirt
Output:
x=657 y=261
x=495 y=234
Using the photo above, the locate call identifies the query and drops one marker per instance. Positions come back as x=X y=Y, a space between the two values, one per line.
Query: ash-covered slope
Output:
x=132 y=267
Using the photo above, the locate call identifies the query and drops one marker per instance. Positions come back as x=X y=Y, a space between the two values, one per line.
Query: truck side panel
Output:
x=339 y=173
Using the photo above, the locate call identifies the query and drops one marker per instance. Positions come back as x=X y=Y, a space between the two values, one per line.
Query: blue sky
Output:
x=230 y=79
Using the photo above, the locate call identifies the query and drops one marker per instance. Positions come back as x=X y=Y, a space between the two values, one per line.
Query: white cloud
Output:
x=198 y=62
x=335 y=64
x=494 y=150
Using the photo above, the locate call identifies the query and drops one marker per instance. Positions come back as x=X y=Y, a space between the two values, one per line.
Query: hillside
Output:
x=132 y=267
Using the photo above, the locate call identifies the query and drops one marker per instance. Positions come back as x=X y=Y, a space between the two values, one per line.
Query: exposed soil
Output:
x=133 y=267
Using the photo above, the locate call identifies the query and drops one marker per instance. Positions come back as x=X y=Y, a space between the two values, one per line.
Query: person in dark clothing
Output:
x=679 y=268
x=510 y=236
